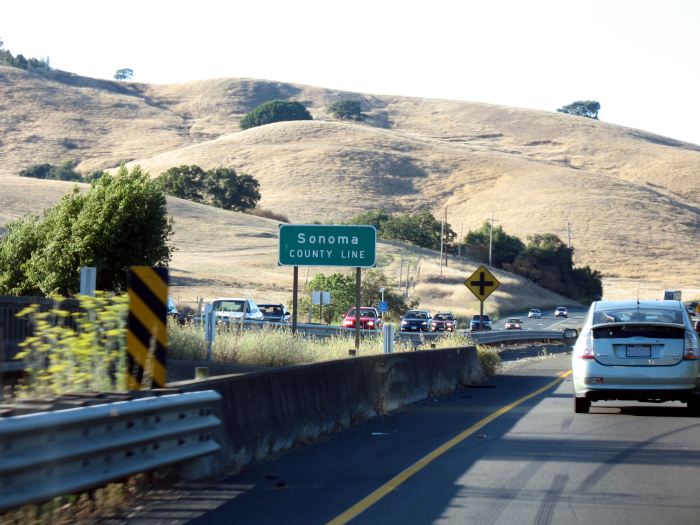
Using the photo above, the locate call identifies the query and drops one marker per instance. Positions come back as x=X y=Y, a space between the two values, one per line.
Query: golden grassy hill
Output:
x=629 y=195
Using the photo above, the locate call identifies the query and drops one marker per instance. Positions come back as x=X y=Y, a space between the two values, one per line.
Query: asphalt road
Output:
x=509 y=451
x=548 y=321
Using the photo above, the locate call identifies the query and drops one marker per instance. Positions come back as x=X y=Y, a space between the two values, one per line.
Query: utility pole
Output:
x=442 y=239
x=459 y=241
x=401 y=270
x=491 y=238
x=408 y=273
x=444 y=227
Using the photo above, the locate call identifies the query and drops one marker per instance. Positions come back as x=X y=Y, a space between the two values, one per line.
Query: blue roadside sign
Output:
x=383 y=306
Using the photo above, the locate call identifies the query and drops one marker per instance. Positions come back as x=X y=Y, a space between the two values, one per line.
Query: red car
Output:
x=369 y=319
x=443 y=321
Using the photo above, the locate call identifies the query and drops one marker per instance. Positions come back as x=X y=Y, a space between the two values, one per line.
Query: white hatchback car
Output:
x=227 y=309
x=636 y=350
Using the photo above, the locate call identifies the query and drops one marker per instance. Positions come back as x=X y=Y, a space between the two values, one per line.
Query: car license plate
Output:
x=638 y=351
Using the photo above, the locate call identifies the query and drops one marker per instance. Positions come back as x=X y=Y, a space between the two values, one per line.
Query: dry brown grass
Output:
x=630 y=195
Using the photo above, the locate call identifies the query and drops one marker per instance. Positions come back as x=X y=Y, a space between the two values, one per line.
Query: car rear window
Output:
x=639 y=330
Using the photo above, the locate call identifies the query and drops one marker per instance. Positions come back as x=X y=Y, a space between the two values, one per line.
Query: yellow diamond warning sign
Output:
x=482 y=283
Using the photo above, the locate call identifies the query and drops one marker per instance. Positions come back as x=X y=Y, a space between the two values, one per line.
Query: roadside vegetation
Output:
x=342 y=289
x=121 y=221
x=276 y=347
x=544 y=258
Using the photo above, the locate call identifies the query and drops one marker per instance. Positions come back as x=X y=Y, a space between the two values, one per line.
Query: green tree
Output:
x=376 y=218
x=275 y=111
x=225 y=189
x=582 y=108
x=185 y=182
x=504 y=248
x=421 y=229
x=342 y=289
x=48 y=171
x=121 y=221
x=346 y=109
x=124 y=74
x=547 y=261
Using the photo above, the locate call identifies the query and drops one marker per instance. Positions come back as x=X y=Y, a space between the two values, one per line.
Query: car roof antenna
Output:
x=638 y=285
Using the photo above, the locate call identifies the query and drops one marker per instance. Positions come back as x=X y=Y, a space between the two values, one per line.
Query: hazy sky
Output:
x=640 y=59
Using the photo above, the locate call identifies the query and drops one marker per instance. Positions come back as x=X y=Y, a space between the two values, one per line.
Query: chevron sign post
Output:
x=147 y=328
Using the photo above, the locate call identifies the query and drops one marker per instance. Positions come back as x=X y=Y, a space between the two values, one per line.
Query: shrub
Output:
x=268 y=214
x=121 y=221
x=346 y=109
x=275 y=111
x=79 y=350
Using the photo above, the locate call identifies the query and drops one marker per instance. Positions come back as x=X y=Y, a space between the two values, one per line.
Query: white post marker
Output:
x=388 y=337
x=88 y=280
x=209 y=328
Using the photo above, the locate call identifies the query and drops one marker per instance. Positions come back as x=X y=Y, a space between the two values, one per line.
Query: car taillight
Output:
x=370 y=323
x=690 y=349
x=588 y=352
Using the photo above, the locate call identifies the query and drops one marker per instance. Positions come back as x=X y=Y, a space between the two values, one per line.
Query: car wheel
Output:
x=694 y=407
x=581 y=405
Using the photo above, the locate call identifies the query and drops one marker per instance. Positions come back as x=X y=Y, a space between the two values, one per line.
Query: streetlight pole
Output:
x=491 y=238
x=442 y=241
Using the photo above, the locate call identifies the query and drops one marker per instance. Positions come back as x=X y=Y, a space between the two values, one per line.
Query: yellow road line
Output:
x=419 y=465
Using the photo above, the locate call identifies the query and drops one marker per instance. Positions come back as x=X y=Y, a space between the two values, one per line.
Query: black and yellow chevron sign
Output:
x=147 y=328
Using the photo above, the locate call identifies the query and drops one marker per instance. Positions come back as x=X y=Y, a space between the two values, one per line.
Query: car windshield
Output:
x=234 y=305
x=363 y=313
x=271 y=310
x=417 y=315
x=444 y=317
x=513 y=320
x=638 y=315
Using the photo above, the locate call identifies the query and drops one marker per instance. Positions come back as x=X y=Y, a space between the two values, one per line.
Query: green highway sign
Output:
x=327 y=245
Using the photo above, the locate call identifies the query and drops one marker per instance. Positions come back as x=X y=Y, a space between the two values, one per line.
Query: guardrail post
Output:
x=209 y=327
x=388 y=335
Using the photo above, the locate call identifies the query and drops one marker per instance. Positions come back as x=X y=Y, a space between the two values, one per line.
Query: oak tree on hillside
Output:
x=219 y=187
x=582 y=108
x=504 y=248
x=121 y=221
x=275 y=111
x=346 y=109
x=124 y=74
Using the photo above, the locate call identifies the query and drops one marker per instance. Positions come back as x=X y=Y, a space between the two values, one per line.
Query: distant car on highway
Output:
x=173 y=313
x=636 y=350
x=275 y=313
x=369 y=318
x=534 y=313
x=513 y=324
x=443 y=322
x=561 y=311
x=227 y=309
x=475 y=323
x=415 y=320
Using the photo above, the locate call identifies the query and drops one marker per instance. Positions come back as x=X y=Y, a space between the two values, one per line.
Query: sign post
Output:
x=328 y=245
x=482 y=283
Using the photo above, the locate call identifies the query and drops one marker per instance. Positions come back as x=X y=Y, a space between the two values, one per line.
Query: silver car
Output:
x=636 y=350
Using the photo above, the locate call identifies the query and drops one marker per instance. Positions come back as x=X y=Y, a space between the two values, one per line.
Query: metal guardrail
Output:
x=485 y=337
x=54 y=453
x=512 y=336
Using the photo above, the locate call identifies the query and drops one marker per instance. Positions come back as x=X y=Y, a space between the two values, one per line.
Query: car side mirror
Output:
x=570 y=333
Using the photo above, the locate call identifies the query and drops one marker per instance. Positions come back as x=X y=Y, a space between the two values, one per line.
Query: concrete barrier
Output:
x=269 y=411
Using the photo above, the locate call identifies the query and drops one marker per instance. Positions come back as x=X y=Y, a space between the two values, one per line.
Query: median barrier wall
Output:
x=269 y=411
